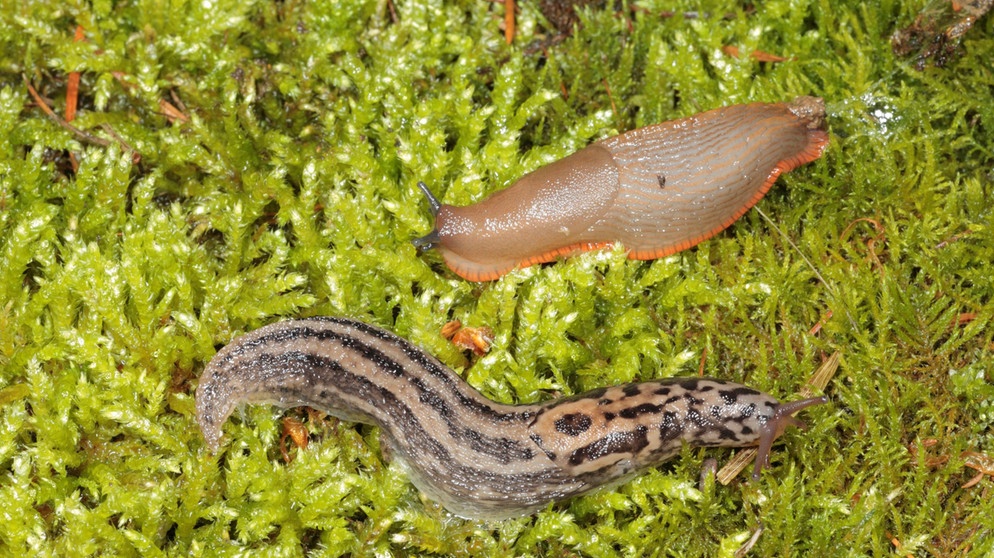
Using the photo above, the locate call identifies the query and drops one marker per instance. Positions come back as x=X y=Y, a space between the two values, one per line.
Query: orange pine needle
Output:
x=824 y=320
x=171 y=112
x=731 y=50
x=72 y=87
x=761 y=56
x=757 y=55
x=509 y=21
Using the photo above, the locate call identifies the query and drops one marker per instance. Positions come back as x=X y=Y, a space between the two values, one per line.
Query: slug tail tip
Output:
x=213 y=441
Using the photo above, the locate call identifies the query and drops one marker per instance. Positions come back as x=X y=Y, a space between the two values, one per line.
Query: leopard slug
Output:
x=478 y=458
x=657 y=190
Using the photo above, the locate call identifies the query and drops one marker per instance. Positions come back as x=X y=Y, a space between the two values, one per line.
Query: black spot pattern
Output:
x=731 y=396
x=573 y=424
x=697 y=419
x=727 y=434
x=631 y=390
x=670 y=427
x=693 y=400
x=639 y=410
x=630 y=442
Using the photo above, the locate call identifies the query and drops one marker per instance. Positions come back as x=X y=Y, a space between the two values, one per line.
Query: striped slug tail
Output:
x=781 y=419
x=289 y=363
x=215 y=404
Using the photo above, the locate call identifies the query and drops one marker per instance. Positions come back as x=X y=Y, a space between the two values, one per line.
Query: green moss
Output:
x=291 y=191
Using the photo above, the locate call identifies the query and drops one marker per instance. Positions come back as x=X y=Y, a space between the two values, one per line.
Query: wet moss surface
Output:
x=239 y=162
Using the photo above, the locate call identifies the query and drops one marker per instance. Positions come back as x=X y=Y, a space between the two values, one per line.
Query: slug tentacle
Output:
x=478 y=458
x=426 y=242
x=772 y=429
x=656 y=190
x=433 y=202
x=430 y=240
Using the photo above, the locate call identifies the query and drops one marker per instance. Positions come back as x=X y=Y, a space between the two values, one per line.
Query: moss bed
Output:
x=246 y=161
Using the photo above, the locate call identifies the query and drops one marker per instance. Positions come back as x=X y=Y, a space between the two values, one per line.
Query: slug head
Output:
x=782 y=418
x=545 y=215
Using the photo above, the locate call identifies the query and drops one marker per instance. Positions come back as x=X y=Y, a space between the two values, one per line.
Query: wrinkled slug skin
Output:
x=657 y=190
x=478 y=458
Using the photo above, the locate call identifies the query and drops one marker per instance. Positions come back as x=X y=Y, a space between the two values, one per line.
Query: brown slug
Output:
x=478 y=458
x=657 y=190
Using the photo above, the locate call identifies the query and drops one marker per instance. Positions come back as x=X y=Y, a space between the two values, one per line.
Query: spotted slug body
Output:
x=657 y=190
x=478 y=458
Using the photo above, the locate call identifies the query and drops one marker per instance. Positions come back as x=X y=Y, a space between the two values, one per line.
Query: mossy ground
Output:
x=291 y=191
